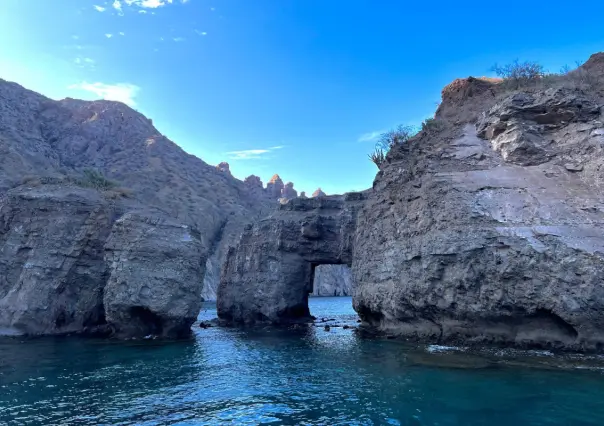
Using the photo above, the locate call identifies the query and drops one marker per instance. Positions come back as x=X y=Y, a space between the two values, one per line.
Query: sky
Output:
x=301 y=88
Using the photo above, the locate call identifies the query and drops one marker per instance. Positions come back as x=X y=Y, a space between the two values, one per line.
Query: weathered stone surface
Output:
x=224 y=168
x=268 y=275
x=332 y=280
x=288 y=191
x=319 y=193
x=46 y=143
x=155 y=277
x=274 y=187
x=473 y=240
x=52 y=272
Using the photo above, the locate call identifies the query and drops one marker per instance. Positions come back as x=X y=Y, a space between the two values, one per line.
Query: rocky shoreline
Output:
x=487 y=227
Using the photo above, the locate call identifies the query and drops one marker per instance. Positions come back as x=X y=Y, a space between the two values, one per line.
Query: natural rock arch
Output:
x=268 y=275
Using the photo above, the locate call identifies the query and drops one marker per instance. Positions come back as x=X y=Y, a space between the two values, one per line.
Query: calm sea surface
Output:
x=306 y=376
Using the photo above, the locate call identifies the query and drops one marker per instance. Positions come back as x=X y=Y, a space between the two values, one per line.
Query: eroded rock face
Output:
x=274 y=187
x=54 y=245
x=332 y=280
x=288 y=191
x=52 y=285
x=155 y=277
x=268 y=275
x=71 y=261
x=497 y=238
x=319 y=193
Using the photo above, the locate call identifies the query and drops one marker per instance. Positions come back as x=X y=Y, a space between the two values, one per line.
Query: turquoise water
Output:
x=299 y=376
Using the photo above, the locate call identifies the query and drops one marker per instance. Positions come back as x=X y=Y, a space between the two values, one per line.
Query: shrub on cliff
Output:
x=518 y=74
x=389 y=140
x=95 y=179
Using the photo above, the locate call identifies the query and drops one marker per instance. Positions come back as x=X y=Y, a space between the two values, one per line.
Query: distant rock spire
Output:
x=224 y=167
x=274 y=187
x=319 y=193
x=288 y=191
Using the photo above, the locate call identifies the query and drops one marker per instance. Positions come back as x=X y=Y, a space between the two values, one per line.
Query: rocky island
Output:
x=485 y=226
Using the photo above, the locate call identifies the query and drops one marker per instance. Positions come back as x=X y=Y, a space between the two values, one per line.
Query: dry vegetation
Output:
x=515 y=76
x=90 y=179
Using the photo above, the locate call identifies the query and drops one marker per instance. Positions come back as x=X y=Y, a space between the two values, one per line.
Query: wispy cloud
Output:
x=148 y=4
x=201 y=33
x=99 y=8
x=251 y=154
x=121 y=92
x=84 y=62
x=108 y=35
x=179 y=39
x=370 y=136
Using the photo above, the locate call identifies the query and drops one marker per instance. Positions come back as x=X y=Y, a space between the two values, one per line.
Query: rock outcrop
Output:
x=52 y=268
x=268 y=275
x=288 y=191
x=494 y=231
x=486 y=227
x=274 y=187
x=95 y=201
x=332 y=280
x=224 y=168
x=319 y=193
x=154 y=283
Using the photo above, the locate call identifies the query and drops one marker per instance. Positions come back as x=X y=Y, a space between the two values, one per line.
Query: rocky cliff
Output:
x=105 y=223
x=488 y=226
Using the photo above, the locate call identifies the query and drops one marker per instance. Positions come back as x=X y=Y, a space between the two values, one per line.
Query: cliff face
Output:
x=489 y=226
x=332 y=280
x=74 y=258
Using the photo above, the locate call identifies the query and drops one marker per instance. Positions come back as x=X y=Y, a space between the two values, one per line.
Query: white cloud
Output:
x=108 y=35
x=148 y=4
x=251 y=154
x=201 y=33
x=122 y=33
x=99 y=8
x=117 y=5
x=84 y=62
x=178 y=39
x=370 y=136
x=121 y=92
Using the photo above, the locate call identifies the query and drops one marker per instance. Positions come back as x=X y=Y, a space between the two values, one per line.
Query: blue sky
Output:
x=294 y=87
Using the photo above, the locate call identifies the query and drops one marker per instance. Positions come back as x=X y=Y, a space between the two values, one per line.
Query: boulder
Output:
x=155 y=277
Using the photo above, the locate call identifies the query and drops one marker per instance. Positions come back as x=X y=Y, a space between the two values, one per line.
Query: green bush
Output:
x=432 y=125
x=389 y=140
x=518 y=74
x=95 y=179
